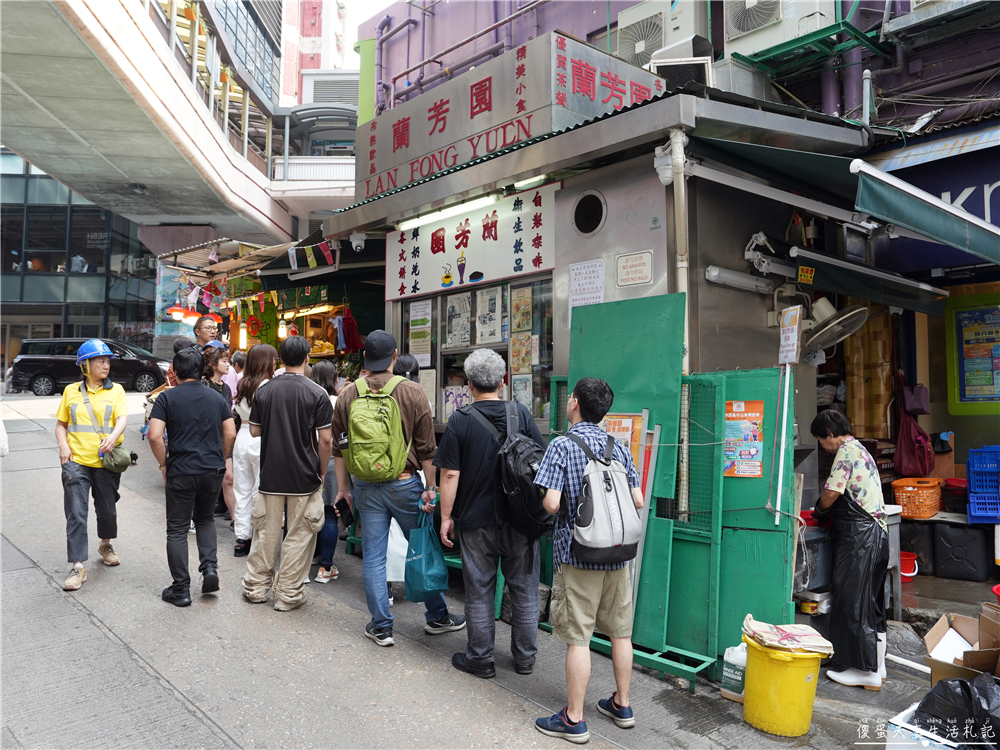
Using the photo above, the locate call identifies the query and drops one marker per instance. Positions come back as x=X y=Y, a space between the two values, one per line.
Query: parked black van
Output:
x=46 y=366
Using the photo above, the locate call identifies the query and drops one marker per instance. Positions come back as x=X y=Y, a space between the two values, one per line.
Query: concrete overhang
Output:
x=626 y=134
x=91 y=95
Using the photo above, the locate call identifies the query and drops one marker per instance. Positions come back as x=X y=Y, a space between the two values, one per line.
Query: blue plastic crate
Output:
x=984 y=508
x=984 y=459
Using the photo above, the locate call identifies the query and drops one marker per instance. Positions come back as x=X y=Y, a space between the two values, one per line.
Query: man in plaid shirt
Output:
x=585 y=595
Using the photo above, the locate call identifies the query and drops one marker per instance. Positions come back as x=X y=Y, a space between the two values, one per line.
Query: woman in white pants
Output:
x=261 y=361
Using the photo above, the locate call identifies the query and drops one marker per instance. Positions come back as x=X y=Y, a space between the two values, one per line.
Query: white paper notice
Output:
x=586 y=285
x=488 y=315
x=535 y=361
x=459 y=312
x=428 y=381
x=420 y=332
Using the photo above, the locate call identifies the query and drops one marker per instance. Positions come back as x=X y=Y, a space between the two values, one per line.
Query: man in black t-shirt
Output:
x=471 y=499
x=200 y=423
x=291 y=415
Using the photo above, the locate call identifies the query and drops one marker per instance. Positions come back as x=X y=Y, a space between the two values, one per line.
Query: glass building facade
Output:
x=67 y=266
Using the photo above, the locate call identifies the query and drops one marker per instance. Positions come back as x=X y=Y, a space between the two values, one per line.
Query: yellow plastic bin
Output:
x=780 y=689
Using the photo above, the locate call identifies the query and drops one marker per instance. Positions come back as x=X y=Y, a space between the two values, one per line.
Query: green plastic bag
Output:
x=426 y=573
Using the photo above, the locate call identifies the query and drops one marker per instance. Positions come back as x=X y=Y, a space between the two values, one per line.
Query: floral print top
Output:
x=855 y=473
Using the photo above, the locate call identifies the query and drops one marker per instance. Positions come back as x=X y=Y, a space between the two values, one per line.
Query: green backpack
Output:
x=376 y=450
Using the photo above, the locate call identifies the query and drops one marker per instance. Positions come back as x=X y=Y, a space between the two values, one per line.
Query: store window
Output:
x=89 y=240
x=515 y=320
x=47 y=190
x=46 y=234
x=11 y=163
x=86 y=288
x=11 y=238
x=11 y=189
x=44 y=288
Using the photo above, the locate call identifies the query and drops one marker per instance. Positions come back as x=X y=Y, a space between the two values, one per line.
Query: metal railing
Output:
x=319 y=168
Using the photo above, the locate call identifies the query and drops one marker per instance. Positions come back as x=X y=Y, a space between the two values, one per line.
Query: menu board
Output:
x=520 y=308
x=978 y=354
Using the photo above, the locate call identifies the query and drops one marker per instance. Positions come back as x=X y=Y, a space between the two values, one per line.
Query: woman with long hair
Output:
x=261 y=361
x=324 y=374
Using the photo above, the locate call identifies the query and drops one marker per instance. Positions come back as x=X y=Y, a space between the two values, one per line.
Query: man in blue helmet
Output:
x=81 y=443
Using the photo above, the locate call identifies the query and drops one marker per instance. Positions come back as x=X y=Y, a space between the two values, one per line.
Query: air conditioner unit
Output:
x=647 y=27
x=755 y=25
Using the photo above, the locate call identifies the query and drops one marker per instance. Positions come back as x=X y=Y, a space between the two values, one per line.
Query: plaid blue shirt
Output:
x=562 y=469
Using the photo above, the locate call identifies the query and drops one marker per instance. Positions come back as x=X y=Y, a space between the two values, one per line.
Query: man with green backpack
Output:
x=383 y=434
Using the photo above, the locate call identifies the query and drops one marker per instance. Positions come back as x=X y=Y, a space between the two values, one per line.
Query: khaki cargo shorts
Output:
x=583 y=599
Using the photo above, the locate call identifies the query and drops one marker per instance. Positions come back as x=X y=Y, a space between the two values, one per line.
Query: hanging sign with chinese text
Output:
x=546 y=85
x=509 y=238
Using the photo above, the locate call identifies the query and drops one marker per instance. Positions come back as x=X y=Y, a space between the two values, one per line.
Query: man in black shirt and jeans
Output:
x=200 y=423
x=471 y=496
x=291 y=414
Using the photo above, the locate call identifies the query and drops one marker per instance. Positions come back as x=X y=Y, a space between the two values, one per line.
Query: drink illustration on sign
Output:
x=461 y=267
x=447 y=280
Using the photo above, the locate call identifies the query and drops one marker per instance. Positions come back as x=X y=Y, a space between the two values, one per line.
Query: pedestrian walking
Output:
x=237 y=363
x=472 y=501
x=291 y=415
x=586 y=594
x=261 y=361
x=852 y=498
x=200 y=423
x=216 y=368
x=324 y=374
x=86 y=413
x=401 y=497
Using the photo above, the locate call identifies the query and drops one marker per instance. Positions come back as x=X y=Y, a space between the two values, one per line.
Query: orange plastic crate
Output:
x=920 y=498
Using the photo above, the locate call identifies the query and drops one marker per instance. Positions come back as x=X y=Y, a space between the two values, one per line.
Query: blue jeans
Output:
x=328 y=534
x=378 y=503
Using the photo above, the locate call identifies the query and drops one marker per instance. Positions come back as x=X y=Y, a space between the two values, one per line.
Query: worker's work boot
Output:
x=856 y=678
x=881 y=656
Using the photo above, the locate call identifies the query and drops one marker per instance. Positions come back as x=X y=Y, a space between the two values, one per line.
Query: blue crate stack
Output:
x=983 y=472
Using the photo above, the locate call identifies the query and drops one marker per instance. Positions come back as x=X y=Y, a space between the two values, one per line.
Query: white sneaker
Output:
x=856 y=678
x=307 y=580
x=325 y=575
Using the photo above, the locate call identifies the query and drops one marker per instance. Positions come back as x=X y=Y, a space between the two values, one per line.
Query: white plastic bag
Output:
x=4 y=446
x=395 y=556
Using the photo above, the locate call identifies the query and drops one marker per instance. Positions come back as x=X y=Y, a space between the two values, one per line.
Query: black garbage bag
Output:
x=962 y=711
x=860 y=553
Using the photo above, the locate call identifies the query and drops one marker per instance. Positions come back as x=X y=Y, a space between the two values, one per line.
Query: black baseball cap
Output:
x=379 y=348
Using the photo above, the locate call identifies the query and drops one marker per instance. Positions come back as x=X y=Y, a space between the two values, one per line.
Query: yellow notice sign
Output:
x=806 y=274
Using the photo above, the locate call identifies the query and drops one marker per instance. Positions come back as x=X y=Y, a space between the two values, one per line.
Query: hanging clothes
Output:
x=352 y=339
x=338 y=326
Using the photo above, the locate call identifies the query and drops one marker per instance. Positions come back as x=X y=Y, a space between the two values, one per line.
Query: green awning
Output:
x=857 y=186
x=840 y=276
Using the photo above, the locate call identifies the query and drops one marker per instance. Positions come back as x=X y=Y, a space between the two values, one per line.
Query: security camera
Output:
x=358 y=241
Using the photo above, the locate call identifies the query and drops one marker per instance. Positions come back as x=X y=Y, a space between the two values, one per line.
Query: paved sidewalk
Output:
x=113 y=665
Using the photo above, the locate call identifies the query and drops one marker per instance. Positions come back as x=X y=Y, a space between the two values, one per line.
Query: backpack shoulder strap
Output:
x=609 y=448
x=583 y=444
x=391 y=384
x=362 y=385
x=479 y=417
x=512 y=420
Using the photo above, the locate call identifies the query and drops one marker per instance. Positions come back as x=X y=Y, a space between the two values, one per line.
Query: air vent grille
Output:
x=590 y=213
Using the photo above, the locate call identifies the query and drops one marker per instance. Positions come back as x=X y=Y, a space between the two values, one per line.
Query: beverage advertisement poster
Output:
x=520 y=352
x=744 y=446
x=626 y=428
x=520 y=300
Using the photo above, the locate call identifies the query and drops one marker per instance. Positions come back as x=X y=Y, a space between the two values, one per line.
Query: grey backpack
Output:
x=607 y=525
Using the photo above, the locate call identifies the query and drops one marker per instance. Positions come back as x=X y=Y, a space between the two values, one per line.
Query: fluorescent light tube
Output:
x=461 y=208
x=738 y=280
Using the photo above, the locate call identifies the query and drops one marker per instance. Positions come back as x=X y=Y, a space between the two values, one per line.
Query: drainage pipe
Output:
x=866 y=93
x=381 y=85
x=830 y=89
x=508 y=31
x=245 y=121
x=682 y=259
x=468 y=39
x=449 y=71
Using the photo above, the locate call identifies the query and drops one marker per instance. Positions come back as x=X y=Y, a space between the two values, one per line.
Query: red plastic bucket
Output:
x=996 y=590
x=908 y=568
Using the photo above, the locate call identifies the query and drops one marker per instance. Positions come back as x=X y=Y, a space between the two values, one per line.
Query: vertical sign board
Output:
x=791 y=319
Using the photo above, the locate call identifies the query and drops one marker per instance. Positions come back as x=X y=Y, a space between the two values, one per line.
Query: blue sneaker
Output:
x=622 y=715
x=558 y=725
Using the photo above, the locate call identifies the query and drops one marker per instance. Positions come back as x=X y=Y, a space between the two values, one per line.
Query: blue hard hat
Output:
x=93 y=348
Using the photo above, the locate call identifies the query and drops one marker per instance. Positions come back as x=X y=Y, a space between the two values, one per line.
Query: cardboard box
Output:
x=989 y=626
x=968 y=628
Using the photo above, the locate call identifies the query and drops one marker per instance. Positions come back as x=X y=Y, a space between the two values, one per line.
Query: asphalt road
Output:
x=114 y=666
